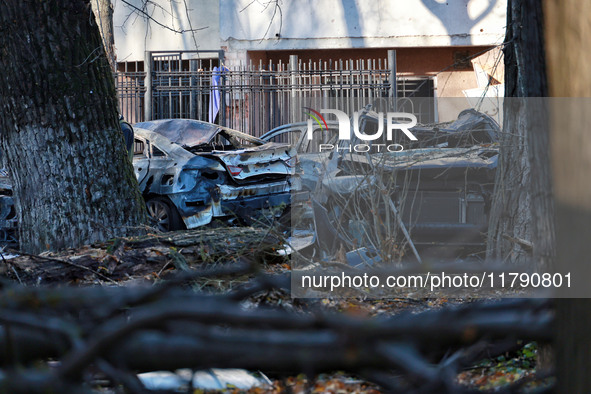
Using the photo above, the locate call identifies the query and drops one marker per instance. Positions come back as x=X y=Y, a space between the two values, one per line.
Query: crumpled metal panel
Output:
x=266 y=159
x=184 y=132
x=228 y=192
x=426 y=158
x=201 y=186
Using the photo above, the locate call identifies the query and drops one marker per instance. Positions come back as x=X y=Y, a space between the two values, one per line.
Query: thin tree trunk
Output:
x=522 y=205
x=569 y=71
x=103 y=12
x=510 y=211
x=73 y=183
x=534 y=86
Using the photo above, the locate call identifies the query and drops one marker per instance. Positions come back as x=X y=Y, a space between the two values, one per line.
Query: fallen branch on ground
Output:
x=164 y=327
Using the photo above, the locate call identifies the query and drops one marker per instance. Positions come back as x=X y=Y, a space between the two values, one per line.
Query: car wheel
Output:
x=163 y=214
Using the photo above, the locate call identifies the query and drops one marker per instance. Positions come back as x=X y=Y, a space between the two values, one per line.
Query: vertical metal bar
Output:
x=201 y=77
x=228 y=93
x=293 y=68
x=252 y=95
x=222 y=87
x=342 y=77
x=276 y=85
x=242 y=98
x=435 y=107
x=193 y=67
x=180 y=95
x=264 y=108
x=258 y=78
x=393 y=94
x=170 y=110
x=359 y=80
x=274 y=92
x=148 y=83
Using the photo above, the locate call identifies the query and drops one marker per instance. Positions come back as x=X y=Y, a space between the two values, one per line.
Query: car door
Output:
x=162 y=168
x=141 y=160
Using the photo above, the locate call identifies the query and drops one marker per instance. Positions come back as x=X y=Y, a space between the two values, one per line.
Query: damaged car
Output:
x=441 y=185
x=436 y=191
x=192 y=172
x=310 y=158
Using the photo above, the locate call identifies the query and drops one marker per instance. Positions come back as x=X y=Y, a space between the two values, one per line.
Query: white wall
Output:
x=241 y=25
x=317 y=24
x=134 y=34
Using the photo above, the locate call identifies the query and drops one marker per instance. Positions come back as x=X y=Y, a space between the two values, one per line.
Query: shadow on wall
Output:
x=353 y=19
x=455 y=15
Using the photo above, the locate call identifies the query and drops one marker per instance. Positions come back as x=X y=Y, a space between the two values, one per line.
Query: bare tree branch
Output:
x=147 y=16
x=191 y=330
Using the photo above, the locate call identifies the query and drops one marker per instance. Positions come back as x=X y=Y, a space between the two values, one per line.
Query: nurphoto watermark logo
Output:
x=354 y=135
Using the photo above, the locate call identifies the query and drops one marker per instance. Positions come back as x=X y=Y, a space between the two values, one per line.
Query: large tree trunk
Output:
x=103 y=12
x=521 y=213
x=73 y=183
x=569 y=71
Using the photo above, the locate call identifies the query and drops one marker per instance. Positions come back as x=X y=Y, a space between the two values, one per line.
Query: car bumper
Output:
x=228 y=200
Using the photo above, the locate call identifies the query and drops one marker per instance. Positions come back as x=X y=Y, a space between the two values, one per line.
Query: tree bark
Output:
x=73 y=183
x=522 y=205
x=569 y=71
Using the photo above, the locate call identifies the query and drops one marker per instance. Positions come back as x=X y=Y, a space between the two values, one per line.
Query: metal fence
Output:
x=257 y=98
x=131 y=92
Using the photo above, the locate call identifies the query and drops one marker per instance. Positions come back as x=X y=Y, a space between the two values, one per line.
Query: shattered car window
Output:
x=157 y=152
x=138 y=148
x=291 y=137
x=239 y=138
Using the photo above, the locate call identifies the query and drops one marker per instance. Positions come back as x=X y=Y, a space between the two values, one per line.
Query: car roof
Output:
x=185 y=132
x=190 y=132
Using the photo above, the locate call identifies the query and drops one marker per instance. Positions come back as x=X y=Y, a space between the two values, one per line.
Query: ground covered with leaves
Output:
x=154 y=258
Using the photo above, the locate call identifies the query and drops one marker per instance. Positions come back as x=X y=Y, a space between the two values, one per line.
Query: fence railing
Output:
x=131 y=92
x=255 y=99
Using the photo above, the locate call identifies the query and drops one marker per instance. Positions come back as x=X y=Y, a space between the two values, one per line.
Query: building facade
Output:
x=438 y=44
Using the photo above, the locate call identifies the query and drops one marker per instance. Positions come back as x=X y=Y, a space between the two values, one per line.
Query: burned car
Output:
x=439 y=188
x=310 y=159
x=191 y=172
x=435 y=191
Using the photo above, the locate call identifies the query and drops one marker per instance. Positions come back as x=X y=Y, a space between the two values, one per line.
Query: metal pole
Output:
x=293 y=69
x=393 y=94
x=222 y=88
x=148 y=84
x=193 y=67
